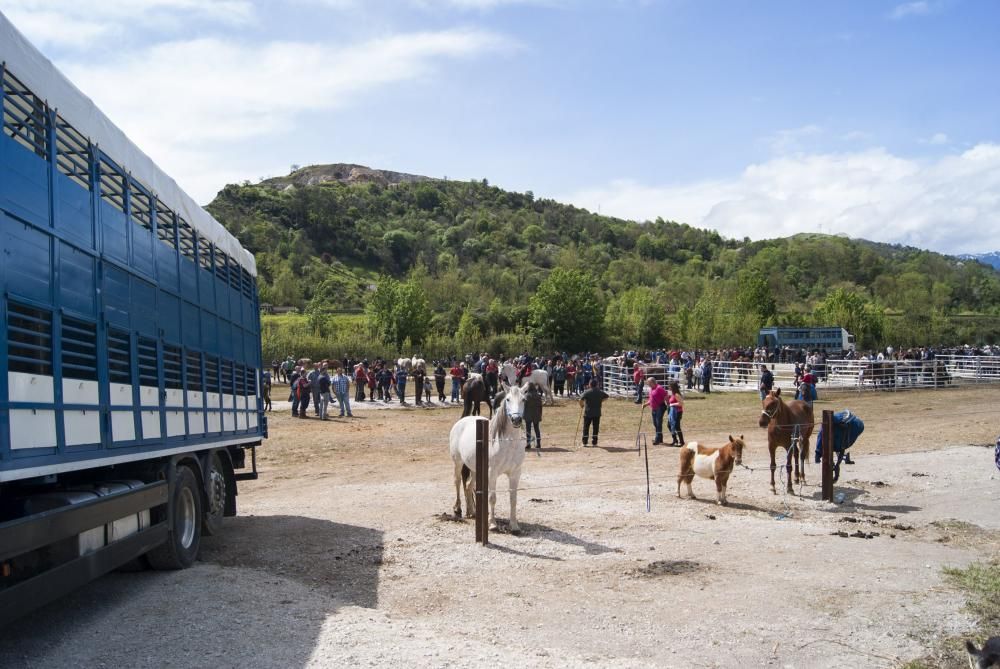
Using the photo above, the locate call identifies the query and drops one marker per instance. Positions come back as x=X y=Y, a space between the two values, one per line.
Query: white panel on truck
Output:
x=121 y=394
x=196 y=422
x=150 y=424
x=76 y=391
x=149 y=397
x=214 y=400
x=23 y=387
x=32 y=428
x=214 y=422
x=175 y=424
x=241 y=420
x=122 y=426
x=82 y=427
x=195 y=399
x=175 y=397
x=252 y=416
x=228 y=422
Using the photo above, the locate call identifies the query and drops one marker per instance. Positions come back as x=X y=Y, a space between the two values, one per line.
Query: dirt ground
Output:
x=343 y=554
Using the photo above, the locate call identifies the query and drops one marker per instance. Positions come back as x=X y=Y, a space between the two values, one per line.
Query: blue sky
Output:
x=760 y=119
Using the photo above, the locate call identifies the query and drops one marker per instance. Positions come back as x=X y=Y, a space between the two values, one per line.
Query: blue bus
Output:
x=130 y=352
x=827 y=339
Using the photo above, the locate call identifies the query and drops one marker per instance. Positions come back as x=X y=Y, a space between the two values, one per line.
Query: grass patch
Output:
x=981 y=584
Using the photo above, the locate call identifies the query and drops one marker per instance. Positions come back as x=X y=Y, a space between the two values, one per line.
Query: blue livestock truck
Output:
x=129 y=348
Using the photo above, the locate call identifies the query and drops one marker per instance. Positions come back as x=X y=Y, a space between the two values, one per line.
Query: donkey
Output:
x=506 y=455
x=710 y=463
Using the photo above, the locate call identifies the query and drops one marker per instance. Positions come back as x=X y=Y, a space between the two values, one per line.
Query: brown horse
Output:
x=473 y=394
x=789 y=425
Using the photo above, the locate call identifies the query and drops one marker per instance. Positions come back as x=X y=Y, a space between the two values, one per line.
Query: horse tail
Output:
x=466 y=472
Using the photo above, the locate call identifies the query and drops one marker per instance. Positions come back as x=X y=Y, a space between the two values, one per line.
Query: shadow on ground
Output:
x=265 y=586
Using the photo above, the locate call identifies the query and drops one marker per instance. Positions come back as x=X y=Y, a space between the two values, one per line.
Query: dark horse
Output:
x=789 y=425
x=473 y=393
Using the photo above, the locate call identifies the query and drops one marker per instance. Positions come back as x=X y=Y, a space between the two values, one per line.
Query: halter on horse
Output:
x=789 y=425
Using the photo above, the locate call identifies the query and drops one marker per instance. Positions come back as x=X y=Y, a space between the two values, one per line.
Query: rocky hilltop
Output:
x=344 y=173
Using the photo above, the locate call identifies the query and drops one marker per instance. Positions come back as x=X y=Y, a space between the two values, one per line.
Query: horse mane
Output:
x=500 y=420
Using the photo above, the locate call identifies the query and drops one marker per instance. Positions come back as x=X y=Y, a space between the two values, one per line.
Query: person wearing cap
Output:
x=591 y=401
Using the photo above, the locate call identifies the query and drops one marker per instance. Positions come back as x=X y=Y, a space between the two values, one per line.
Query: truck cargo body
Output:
x=129 y=347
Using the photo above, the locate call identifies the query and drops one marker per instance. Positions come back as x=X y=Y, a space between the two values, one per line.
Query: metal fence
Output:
x=858 y=375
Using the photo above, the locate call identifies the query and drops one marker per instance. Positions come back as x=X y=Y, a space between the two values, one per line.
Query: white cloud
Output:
x=919 y=8
x=204 y=95
x=937 y=139
x=949 y=205
x=80 y=24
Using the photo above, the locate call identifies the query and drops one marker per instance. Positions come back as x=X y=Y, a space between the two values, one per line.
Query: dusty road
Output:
x=341 y=556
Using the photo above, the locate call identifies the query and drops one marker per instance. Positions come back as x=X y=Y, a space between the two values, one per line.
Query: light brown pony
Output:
x=784 y=422
x=710 y=463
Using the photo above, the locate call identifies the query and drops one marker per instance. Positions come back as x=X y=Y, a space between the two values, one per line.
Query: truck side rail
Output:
x=27 y=534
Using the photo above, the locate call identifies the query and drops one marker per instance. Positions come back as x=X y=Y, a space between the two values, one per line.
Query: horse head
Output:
x=770 y=407
x=513 y=405
x=738 y=446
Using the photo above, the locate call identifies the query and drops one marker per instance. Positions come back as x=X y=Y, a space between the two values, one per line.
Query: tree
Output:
x=854 y=313
x=635 y=319
x=754 y=298
x=412 y=314
x=566 y=310
x=399 y=311
x=379 y=309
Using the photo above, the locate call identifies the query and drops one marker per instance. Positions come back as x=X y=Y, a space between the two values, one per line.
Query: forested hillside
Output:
x=484 y=258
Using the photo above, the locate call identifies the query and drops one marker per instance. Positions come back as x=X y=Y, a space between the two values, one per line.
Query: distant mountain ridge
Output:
x=992 y=259
x=345 y=173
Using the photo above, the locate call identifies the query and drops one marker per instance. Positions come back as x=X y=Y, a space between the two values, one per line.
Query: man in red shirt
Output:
x=456 y=381
x=637 y=377
x=657 y=404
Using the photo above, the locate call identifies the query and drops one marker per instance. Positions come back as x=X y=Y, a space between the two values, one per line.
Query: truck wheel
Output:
x=217 y=490
x=184 y=538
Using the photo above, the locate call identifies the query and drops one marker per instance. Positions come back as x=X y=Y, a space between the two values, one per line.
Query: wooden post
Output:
x=828 y=455
x=482 y=481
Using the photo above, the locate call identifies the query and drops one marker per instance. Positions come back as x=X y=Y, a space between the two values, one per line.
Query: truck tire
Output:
x=184 y=538
x=216 y=488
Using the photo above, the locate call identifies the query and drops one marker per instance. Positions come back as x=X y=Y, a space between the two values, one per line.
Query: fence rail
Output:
x=858 y=375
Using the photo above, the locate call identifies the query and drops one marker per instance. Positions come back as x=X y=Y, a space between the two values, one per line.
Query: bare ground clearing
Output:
x=341 y=555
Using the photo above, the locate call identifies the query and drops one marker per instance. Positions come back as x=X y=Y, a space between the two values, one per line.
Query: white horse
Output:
x=412 y=364
x=538 y=376
x=506 y=455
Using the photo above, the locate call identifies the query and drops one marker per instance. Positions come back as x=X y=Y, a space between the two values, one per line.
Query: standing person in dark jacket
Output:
x=532 y=414
x=324 y=393
x=314 y=386
x=439 y=375
x=766 y=381
x=591 y=400
x=706 y=375
x=418 y=385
